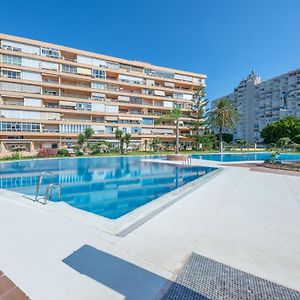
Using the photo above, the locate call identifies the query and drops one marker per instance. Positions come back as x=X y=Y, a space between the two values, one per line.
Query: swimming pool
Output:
x=107 y=186
x=233 y=157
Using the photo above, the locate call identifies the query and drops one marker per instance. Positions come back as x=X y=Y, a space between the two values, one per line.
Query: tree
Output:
x=286 y=127
x=155 y=144
x=241 y=143
x=173 y=116
x=222 y=116
x=198 y=118
x=88 y=133
x=80 y=139
x=84 y=138
x=127 y=139
x=283 y=142
x=227 y=137
x=119 y=134
x=208 y=141
x=297 y=139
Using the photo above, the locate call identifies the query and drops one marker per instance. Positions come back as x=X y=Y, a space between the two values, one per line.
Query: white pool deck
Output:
x=248 y=220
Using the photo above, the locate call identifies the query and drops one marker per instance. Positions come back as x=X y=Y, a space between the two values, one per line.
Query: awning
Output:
x=67 y=103
x=83 y=71
x=159 y=93
x=123 y=98
x=107 y=118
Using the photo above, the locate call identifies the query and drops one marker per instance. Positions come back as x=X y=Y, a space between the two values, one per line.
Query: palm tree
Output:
x=88 y=133
x=223 y=116
x=127 y=139
x=155 y=144
x=80 y=139
x=84 y=138
x=119 y=134
x=174 y=116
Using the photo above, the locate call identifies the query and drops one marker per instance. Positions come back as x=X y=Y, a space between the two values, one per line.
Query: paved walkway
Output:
x=9 y=291
x=248 y=220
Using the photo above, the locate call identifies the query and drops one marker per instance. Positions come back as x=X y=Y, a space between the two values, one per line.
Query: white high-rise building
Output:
x=243 y=97
x=261 y=103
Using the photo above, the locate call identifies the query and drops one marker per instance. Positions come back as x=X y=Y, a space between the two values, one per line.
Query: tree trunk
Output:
x=177 y=137
x=221 y=139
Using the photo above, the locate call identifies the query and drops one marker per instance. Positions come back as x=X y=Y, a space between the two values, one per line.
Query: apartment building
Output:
x=260 y=103
x=50 y=93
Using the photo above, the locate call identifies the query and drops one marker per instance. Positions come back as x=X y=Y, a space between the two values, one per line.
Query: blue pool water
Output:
x=107 y=186
x=232 y=157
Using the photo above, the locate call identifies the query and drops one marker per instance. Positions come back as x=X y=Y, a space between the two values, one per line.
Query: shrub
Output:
x=16 y=155
x=208 y=141
x=47 y=152
x=78 y=153
x=274 y=158
x=297 y=139
x=283 y=142
x=63 y=152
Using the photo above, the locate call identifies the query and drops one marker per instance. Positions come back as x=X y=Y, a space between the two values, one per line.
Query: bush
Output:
x=208 y=141
x=78 y=153
x=16 y=155
x=283 y=142
x=227 y=137
x=297 y=139
x=47 y=152
x=63 y=152
x=274 y=158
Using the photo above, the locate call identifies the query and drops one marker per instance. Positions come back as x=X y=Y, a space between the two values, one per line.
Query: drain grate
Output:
x=202 y=278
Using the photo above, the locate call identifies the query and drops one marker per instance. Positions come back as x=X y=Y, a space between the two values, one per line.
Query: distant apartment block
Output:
x=50 y=93
x=261 y=103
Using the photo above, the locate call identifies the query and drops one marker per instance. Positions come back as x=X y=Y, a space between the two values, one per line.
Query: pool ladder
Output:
x=49 y=188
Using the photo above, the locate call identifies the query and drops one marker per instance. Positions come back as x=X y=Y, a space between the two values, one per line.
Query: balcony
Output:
x=51 y=92
x=77 y=96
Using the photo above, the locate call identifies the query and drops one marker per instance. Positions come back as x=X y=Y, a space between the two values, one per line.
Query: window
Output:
x=10 y=47
x=11 y=74
x=178 y=96
x=147 y=121
x=19 y=126
x=72 y=128
x=12 y=60
x=131 y=79
x=136 y=130
x=50 y=52
x=69 y=69
x=159 y=73
x=147 y=92
x=98 y=85
x=99 y=73
x=112 y=65
x=83 y=106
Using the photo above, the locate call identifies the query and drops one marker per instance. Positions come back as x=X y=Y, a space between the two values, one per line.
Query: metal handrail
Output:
x=50 y=174
x=50 y=189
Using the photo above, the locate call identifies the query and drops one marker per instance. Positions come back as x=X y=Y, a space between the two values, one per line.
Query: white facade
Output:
x=261 y=103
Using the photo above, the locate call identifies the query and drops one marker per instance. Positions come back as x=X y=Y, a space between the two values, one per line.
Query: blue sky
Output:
x=224 y=39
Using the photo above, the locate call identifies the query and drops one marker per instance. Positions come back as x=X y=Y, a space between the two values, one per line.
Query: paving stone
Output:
x=202 y=278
